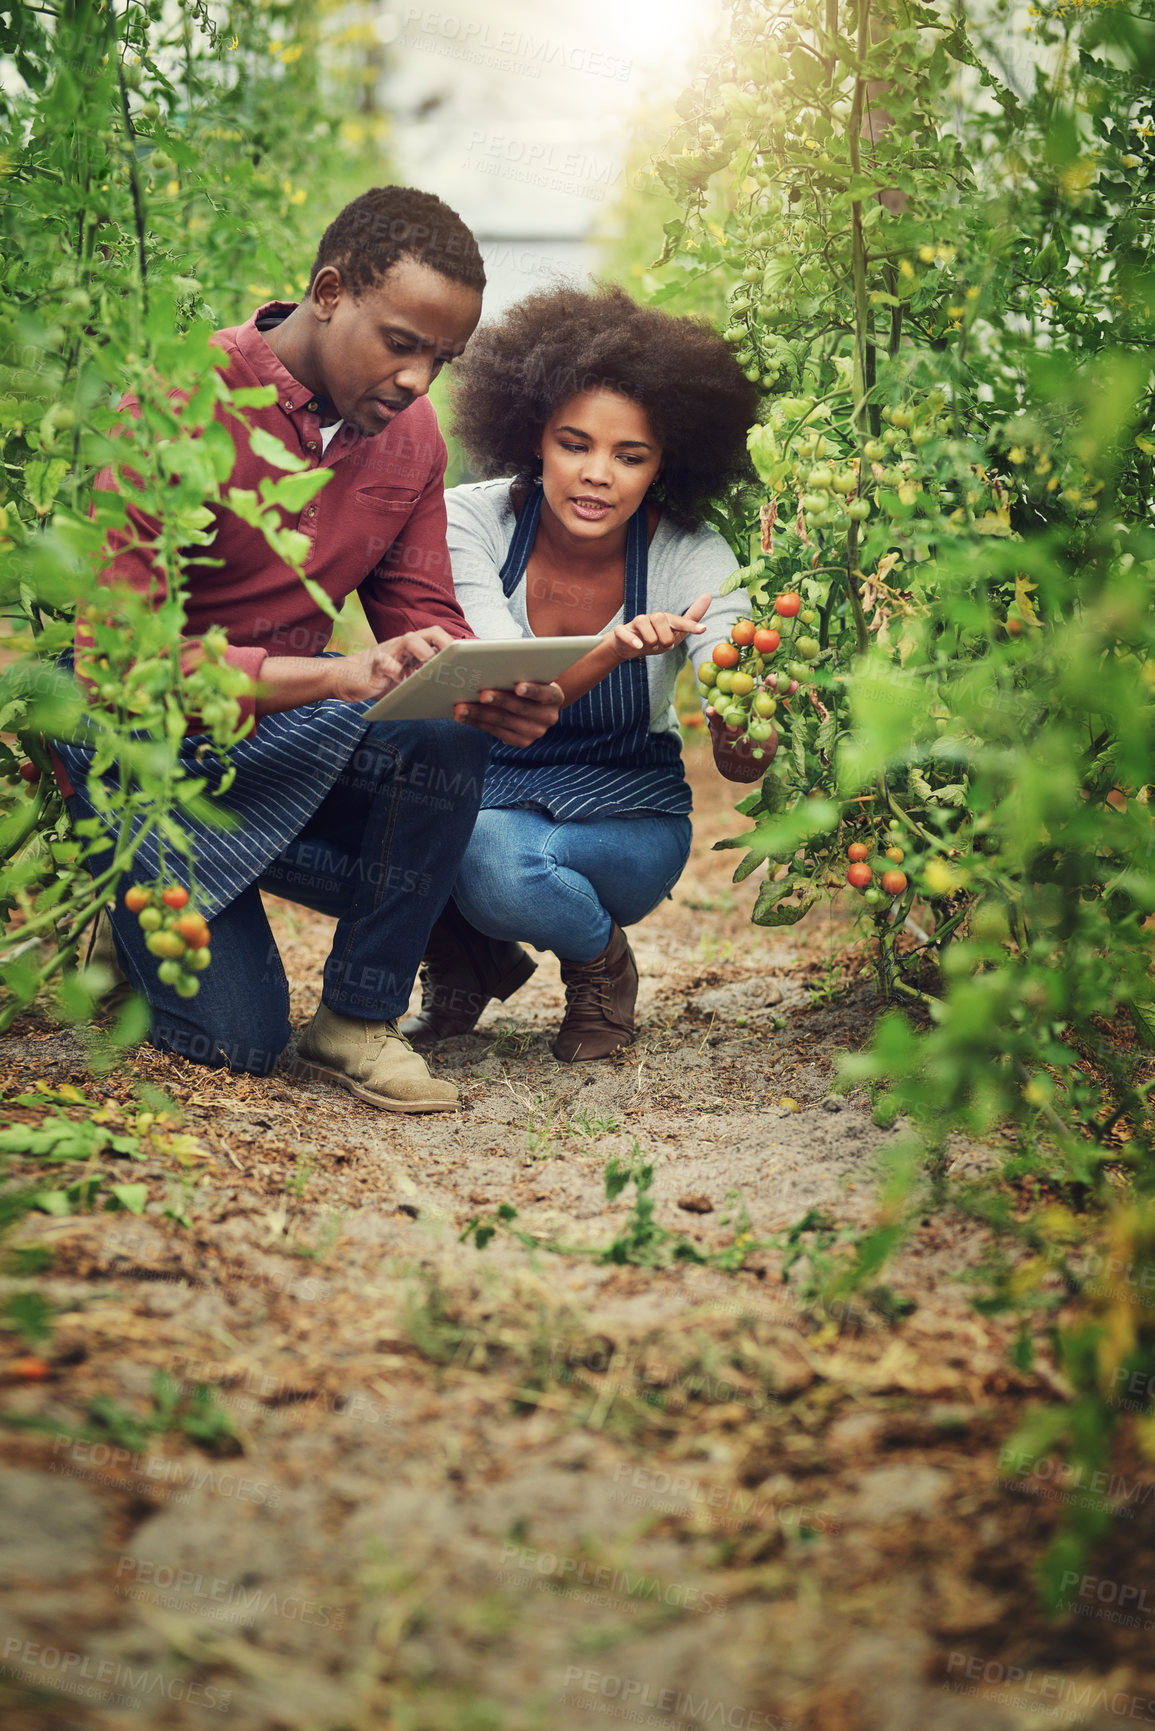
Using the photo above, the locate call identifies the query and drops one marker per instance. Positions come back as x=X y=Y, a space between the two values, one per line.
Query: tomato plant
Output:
x=155 y=189
x=940 y=275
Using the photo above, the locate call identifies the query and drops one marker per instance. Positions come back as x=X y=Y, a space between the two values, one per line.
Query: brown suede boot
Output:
x=599 y=1003
x=461 y=971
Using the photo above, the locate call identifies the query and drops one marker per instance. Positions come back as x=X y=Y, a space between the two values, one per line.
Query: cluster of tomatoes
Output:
x=860 y=875
x=736 y=682
x=174 y=933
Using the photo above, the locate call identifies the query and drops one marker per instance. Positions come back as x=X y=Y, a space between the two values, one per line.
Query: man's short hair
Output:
x=389 y=223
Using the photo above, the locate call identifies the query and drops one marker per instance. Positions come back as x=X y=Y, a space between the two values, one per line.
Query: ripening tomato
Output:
x=136 y=897
x=174 y=895
x=741 y=684
x=742 y=632
x=788 y=605
x=857 y=850
x=766 y=640
x=193 y=930
x=893 y=883
x=725 y=655
x=29 y=773
x=896 y=854
x=859 y=875
x=166 y=944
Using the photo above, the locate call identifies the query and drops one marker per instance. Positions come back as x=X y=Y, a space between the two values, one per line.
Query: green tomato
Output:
x=808 y=648
x=197 y=961
x=186 y=987
x=149 y=919
x=707 y=673
x=706 y=691
x=734 y=716
x=169 y=972
x=813 y=503
x=741 y=683
x=874 y=450
x=820 y=478
x=807 y=616
x=761 y=731
x=765 y=705
x=858 y=510
x=724 y=681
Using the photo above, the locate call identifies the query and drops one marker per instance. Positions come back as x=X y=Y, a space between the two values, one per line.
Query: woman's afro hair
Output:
x=559 y=342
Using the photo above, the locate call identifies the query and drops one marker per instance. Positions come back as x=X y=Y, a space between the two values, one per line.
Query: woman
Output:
x=612 y=427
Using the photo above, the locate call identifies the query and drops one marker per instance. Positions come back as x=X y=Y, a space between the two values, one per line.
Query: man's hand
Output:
x=373 y=672
x=733 y=754
x=516 y=717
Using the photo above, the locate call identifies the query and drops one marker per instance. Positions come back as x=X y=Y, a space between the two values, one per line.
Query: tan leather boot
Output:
x=599 y=1003
x=374 y=1061
x=461 y=971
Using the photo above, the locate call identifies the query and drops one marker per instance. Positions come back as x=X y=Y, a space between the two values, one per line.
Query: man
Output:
x=366 y=821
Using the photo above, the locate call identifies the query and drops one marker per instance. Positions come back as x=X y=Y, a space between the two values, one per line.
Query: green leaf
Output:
x=128 y=1196
x=293 y=492
x=271 y=450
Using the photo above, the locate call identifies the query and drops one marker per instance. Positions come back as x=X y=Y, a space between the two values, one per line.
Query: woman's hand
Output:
x=654 y=633
x=516 y=717
x=733 y=752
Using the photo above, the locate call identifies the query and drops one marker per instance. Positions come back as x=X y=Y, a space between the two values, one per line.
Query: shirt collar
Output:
x=291 y=393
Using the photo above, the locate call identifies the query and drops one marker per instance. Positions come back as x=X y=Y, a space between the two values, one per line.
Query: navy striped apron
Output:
x=600 y=758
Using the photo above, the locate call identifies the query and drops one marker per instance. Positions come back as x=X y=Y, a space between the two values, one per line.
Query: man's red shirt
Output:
x=378 y=526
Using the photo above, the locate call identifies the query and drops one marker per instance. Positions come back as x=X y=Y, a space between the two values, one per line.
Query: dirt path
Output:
x=463 y=1489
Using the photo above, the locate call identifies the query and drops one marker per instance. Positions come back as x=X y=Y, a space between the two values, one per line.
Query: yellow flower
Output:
x=905 y=268
x=926 y=254
x=940 y=877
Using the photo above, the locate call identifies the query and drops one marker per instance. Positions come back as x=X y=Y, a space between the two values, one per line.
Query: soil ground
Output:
x=452 y=1488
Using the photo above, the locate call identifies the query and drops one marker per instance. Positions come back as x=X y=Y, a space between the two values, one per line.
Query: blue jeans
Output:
x=558 y=886
x=380 y=854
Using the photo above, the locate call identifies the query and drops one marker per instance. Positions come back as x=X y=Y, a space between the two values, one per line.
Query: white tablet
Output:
x=459 y=671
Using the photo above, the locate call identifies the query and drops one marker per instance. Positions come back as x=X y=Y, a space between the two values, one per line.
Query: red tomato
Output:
x=788 y=605
x=857 y=850
x=859 y=875
x=29 y=772
x=742 y=632
x=193 y=930
x=725 y=655
x=136 y=897
x=174 y=895
x=893 y=882
x=766 y=640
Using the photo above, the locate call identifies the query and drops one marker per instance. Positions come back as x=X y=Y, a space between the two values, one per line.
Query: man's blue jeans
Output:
x=380 y=854
x=558 y=885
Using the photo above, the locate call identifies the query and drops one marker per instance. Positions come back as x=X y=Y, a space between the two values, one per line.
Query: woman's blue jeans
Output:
x=558 y=885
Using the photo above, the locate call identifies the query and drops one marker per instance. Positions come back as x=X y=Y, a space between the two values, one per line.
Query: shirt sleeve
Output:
x=412 y=586
x=477 y=548
x=699 y=562
x=131 y=562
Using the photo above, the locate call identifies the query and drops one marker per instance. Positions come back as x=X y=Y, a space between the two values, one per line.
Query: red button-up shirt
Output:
x=378 y=526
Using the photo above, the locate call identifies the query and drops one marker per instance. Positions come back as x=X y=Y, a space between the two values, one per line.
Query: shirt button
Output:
x=289 y=403
x=313 y=407
x=312 y=445
x=312 y=510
